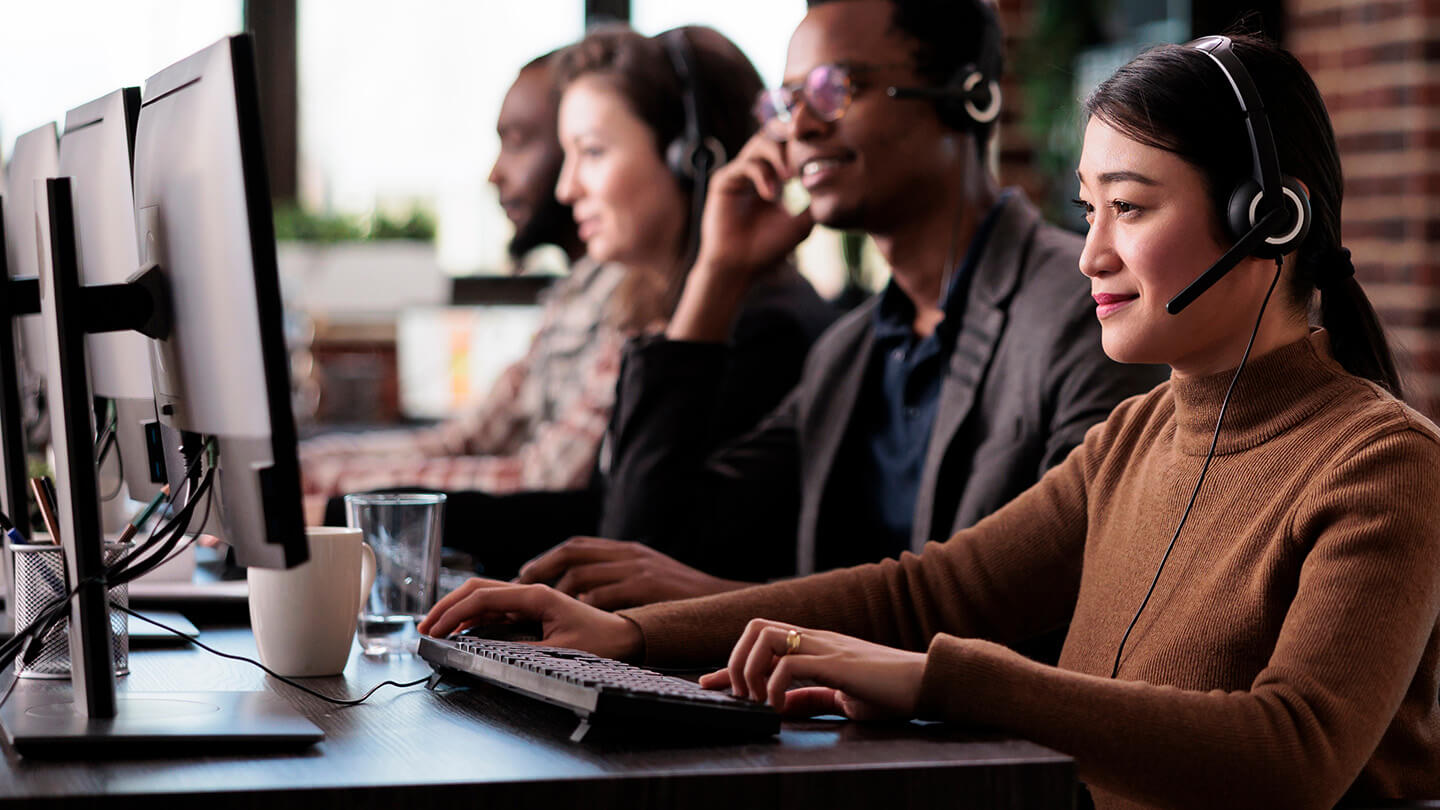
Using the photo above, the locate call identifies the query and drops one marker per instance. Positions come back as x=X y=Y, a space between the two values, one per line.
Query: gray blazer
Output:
x=1027 y=378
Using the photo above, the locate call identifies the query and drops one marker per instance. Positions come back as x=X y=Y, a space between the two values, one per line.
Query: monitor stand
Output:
x=88 y=716
x=42 y=721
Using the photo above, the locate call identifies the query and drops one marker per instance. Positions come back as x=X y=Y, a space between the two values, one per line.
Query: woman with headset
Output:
x=643 y=121
x=1245 y=555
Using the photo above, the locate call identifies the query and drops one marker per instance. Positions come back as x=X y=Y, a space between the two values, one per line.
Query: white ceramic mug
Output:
x=304 y=617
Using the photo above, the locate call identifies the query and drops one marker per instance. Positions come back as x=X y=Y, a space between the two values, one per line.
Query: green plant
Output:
x=295 y=224
x=1045 y=70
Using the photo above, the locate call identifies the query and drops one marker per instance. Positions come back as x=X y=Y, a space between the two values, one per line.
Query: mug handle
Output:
x=367 y=574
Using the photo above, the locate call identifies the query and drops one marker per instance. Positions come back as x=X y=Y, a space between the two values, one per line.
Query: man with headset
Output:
x=931 y=405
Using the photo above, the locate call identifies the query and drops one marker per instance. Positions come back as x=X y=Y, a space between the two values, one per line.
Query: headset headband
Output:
x=1265 y=166
x=679 y=50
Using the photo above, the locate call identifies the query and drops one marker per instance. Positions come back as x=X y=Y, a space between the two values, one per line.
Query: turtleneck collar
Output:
x=1276 y=391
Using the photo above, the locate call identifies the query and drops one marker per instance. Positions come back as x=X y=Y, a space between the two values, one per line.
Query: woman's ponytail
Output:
x=1356 y=337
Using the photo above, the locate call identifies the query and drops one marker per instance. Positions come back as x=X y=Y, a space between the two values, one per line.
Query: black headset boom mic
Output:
x=969 y=100
x=1269 y=214
x=1237 y=252
x=959 y=100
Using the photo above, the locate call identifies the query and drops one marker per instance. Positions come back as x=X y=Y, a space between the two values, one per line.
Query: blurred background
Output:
x=380 y=129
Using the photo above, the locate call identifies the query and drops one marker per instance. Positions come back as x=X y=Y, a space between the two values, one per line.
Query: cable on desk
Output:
x=268 y=671
x=163 y=539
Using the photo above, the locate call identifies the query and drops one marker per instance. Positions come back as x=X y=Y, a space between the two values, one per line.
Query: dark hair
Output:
x=542 y=60
x=948 y=35
x=1174 y=98
x=640 y=69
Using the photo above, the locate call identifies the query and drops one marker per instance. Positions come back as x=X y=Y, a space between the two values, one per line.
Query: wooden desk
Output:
x=482 y=747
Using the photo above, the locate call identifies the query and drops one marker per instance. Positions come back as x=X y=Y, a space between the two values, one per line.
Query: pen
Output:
x=11 y=531
x=47 y=508
x=143 y=515
x=53 y=497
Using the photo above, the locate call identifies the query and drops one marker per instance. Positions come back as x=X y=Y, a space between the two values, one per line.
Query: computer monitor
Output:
x=96 y=152
x=21 y=366
x=209 y=295
x=36 y=156
x=203 y=215
x=12 y=429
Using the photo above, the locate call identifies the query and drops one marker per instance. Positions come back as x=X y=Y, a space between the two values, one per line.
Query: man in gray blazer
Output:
x=930 y=406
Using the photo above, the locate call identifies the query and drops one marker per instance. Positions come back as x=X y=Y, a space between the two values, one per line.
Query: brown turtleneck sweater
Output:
x=1289 y=653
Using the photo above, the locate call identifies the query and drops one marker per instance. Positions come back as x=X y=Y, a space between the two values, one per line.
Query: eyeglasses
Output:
x=827 y=91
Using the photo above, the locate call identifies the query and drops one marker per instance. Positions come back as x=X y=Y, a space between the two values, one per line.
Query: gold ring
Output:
x=792 y=642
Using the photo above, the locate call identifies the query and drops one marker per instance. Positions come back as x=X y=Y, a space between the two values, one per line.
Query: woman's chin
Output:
x=598 y=251
x=1127 y=348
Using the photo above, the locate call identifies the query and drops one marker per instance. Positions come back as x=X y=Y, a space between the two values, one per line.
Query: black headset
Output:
x=970 y=100
x=692 y=155
x=1268 y=214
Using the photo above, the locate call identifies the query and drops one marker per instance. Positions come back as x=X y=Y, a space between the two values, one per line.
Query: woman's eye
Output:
x=1086 y=209
x=1121 y=207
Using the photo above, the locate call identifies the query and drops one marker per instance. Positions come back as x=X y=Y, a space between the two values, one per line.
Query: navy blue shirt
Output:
x=890 y=435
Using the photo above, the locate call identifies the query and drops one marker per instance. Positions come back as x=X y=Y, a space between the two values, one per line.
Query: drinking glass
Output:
x=404 y=530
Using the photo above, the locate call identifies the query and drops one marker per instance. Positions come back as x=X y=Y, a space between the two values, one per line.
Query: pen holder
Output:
x=39 y=579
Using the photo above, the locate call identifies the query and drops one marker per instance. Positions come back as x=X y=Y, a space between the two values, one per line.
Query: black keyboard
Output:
x=608 y=695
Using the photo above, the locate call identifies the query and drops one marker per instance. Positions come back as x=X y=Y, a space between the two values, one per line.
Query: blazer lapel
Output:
x=997 y=273
x=825 y=428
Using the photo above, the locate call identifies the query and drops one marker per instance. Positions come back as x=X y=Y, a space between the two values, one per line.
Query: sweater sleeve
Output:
x=1011 y=576
x=1365 y=603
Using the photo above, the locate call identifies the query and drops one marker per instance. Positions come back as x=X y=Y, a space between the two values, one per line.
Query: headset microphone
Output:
x=921 y=92
x=1237 y=253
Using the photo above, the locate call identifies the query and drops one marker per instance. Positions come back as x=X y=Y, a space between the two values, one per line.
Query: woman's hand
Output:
x=744 y=232
x=613 y=574
x=566 y=622
x=858 y=679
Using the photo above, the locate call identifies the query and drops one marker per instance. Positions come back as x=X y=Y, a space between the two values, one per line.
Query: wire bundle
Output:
x=163 y=543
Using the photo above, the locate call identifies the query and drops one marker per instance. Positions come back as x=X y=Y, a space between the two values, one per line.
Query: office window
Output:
x=60 y=54
x=398 y=105
x=761 y=28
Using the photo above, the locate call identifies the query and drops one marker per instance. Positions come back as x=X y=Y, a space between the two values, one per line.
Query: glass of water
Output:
x=404 y=531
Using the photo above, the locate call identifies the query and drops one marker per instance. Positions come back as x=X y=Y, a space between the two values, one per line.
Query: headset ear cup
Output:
x=678 y=158
x=1299 y=200
x=1246 y=198
x=978 y=92
x=1241 y=199
x=684 y=158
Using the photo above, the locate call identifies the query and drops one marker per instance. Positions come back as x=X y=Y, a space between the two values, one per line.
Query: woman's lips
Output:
x=1108 y=303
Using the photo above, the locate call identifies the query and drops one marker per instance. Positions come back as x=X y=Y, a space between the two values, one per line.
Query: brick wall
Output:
x=1377 y=62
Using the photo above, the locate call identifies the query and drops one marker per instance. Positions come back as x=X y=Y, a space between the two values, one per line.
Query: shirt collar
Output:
x=895 y=313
